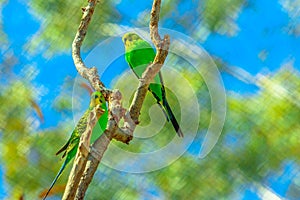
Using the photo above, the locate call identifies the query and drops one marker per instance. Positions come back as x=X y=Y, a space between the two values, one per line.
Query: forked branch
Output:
x=114 y=98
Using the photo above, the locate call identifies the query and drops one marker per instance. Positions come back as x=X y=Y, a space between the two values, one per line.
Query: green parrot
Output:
x=70 y=148
x=139 y=54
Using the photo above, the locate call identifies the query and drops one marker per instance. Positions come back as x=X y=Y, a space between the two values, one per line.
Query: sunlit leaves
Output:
x=60 y=20
x=268 y=125
x=220 y=16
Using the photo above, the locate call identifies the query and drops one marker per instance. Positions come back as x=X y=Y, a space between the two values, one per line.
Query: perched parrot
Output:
x=70 y=148
x=139 y=54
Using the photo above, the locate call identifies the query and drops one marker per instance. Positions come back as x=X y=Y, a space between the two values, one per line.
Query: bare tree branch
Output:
x=91 y=161
x=153 y=25
x=100 y=145
x=91 y=74
x=80 y=161
x=94 y=158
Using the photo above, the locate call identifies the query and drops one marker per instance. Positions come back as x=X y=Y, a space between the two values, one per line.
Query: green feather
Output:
x=70 y=148
x=139 y=54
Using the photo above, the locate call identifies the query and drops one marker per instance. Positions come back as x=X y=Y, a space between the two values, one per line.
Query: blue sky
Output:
x=254 y=36
x=261 y=27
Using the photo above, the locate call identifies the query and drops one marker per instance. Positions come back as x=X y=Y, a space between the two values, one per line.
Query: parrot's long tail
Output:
x=56 y=177
x=172 y=117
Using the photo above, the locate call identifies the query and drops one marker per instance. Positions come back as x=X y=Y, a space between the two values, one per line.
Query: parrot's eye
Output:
x=124 y=40
x=96 y=96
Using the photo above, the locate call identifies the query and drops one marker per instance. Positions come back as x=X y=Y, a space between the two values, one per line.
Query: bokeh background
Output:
x=255 y=45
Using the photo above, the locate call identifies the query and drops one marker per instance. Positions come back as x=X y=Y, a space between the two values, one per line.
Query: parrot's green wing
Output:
x=139 y=54
x=70 y=148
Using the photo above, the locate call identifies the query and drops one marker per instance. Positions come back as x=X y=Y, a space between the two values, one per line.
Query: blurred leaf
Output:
x=220 y=16
x=60 y=20
x=38 y=110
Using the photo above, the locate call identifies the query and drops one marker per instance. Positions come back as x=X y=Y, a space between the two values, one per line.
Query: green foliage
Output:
x=23 y=148
x=261 y=131
x=220 y=16
x=260 y=134
x=63 y=102
x=267 y=126
x=60 y=20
